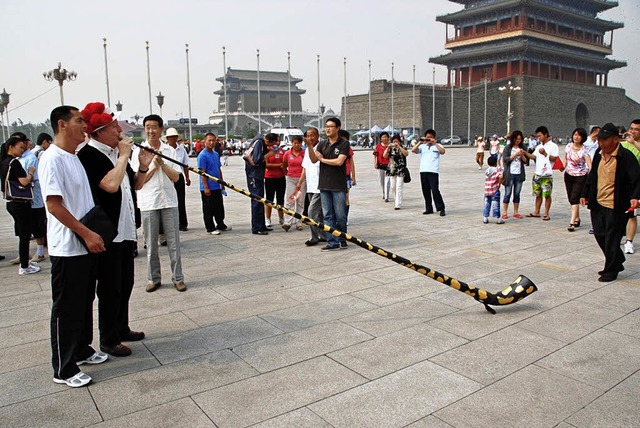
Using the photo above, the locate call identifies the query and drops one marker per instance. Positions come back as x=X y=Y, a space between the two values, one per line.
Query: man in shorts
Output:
x=545 y=154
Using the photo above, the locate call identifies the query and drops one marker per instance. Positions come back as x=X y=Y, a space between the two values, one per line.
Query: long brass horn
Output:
x=520 y=288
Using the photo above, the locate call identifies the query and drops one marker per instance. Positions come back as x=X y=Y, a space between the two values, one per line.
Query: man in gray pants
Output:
x=310 y=173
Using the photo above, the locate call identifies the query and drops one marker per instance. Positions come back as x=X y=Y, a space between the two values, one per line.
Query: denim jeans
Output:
x=256 y=187
x=515 y=186
x=334 y=209
x=151 y=220
x=492 y=203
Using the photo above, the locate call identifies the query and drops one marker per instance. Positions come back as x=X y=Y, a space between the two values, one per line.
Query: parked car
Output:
x=451 y=140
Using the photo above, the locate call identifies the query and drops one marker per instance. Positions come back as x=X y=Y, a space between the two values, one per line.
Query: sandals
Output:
x=505 y=216
x=571 y=227
x=299 y=227
x=518 y=216
x=546 y=218
x=534 y=216
x=577 y=223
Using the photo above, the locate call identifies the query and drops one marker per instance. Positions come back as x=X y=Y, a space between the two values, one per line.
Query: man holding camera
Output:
x=430 y=151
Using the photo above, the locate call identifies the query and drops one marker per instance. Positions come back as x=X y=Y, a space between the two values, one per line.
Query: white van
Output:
x=286 y=134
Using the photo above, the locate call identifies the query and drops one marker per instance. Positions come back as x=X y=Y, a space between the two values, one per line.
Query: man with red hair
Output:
x=106 y=161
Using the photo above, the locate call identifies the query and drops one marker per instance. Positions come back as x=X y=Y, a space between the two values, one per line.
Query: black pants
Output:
x=73 y=287
x=182 y=207
x=609 y=227
x=115 y=283
x=256 y=186
x=430 y=184
x=213 y=208
x=21 y=213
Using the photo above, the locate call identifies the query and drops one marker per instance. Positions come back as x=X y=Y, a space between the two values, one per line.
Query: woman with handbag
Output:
x=397 y=156
x=514 y=159
x=16 y=186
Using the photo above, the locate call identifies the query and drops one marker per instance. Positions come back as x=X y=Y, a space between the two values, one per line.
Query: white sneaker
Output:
x=628 y=247
x=97 y=358
x=215 y=232
x=267 y=222
x=479 y=167
x=485 y=220
x=32 y=268
x=500 y=221
x=80 y=379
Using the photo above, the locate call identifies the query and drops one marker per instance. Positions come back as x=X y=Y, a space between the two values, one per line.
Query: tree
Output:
x=250 y=132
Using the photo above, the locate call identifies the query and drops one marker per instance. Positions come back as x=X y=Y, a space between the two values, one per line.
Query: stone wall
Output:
x=540 y=102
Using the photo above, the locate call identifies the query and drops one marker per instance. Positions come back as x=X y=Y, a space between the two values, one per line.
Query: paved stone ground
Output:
x=271 y=333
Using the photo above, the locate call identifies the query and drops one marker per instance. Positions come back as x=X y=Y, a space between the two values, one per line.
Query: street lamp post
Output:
x=4 y=137
x=320 y=113
x=149 y=79
x=160 y=98
x=259 y=106
x=370 y=102
x=392 y=98
x=4 y=99
x=289 y=83
x=189 y=95
x=344 y=123
x=60 y=75
x=224 y=87
x=106 y=70
x=509 y=90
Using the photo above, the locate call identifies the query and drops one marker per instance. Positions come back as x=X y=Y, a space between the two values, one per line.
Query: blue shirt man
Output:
x=210 y=191
x=430 y=151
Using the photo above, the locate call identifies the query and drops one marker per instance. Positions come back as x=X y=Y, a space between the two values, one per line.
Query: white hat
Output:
x=172 y=132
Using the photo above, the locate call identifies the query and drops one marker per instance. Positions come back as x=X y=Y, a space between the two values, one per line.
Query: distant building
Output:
x=242 y=99
x=555 y=50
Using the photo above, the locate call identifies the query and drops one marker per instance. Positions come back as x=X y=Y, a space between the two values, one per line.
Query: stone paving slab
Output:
x=275 y=393
x=274 y=333
x=397 y=399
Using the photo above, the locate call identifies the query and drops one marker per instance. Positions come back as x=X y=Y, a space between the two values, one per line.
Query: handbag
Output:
x=557 y=164
x=97 y=221
x=407 y=175
x=14 y=191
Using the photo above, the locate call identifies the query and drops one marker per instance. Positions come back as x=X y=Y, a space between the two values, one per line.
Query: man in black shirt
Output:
x=106 y=161
x=332 y=155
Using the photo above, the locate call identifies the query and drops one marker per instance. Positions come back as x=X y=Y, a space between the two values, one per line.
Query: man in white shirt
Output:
x=310 y=173
x=67 y=196
x=181 y=156
x=158 y=203
x=545 y=155
x=106 y=161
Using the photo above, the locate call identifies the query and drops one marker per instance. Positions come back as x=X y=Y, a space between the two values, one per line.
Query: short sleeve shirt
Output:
x=62 y=174
x=209 y=162
x=429 y=158
x=543 y=164
x=159 y=192
x=311 y=172
x=333 y=178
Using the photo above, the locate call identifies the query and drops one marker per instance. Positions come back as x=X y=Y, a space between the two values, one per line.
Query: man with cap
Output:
x=181 y=156
x=106 y=161
x=611 y=193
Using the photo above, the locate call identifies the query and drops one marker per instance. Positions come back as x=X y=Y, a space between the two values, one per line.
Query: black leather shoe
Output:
x=268 y=229
x=427 y=212
x=311 y=243
x=442 y=213
x=261 y=232
x=608 y=278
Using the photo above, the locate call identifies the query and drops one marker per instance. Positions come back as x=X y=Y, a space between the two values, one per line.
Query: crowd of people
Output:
x=56 y=189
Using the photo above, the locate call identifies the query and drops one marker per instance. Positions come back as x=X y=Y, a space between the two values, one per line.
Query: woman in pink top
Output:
x=292 y=165
x=274 y=184
x=577 y=164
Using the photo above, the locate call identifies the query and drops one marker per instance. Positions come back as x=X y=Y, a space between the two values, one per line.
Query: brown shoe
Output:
x=152 y=287
x=180 y=286
x=133 y=336
x=118 y=350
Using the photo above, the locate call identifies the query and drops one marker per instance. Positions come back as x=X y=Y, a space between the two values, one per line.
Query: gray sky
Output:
x=39 y=34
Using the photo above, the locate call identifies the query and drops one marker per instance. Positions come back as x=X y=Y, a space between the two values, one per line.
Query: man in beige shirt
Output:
x=611 y=193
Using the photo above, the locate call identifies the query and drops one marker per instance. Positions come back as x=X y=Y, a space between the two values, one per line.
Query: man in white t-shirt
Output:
x=545 y=155
x=67 y=196
x=310 y=174
x=158 y=203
